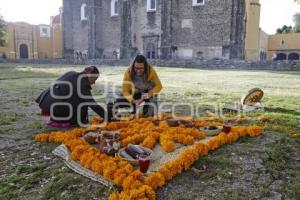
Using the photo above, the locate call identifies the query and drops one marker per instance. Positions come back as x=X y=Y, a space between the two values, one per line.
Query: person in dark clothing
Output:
x=68 y=98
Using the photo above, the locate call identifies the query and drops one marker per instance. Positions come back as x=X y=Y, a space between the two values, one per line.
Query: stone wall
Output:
x=201 y=64
x=67 y=29
x=147 y=28
x=176 y=29
x=201 y=30
x=80 y=27
x=107 y=31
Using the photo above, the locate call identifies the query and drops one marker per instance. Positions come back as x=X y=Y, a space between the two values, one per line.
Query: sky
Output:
x=274 y=13
x=30 y=11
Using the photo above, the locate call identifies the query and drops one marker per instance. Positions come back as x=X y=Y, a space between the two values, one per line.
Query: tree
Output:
x=284 y=29
x=2 y=31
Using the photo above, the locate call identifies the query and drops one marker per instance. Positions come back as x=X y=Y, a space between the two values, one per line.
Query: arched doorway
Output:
x=281 y=56
x=24 y=51
x=293 y=56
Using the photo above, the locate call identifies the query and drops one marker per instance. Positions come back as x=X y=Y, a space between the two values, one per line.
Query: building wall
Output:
x=56 y=41
x=176 y=28
x=146 y=28
x=44 y=43
x=23 y=35
x=38 y=45
x=80 y=27
x=284 y=43
x=263 y=41
x=67 y=24
x=291 y=41
x=202 y=31
x=252 y=42
x=107 y=30
x=263 y=45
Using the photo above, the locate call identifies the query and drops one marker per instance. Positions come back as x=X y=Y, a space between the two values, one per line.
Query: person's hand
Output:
x=145 y=96
x=137 y=102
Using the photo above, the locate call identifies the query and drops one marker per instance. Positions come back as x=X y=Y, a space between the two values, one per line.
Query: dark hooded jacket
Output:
x=67 y=89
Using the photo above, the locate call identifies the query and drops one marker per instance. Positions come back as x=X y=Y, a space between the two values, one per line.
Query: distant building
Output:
x=26 y=41
x=261 y=46
x=159 y=29
x=284 y=46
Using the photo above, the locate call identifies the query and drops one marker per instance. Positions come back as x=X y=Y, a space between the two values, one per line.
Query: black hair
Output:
x=91 y=70
x=140 y=59
x=94 y=70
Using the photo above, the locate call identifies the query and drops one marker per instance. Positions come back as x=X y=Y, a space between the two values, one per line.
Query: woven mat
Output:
x=158 y=160
x=63 y=152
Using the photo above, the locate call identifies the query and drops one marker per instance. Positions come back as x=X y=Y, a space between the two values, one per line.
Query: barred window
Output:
x=83 y=12
x=151 y=5
x=114 y=8
x=198 y=2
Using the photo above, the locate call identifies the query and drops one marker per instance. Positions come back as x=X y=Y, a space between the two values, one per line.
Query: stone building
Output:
x=164 y=29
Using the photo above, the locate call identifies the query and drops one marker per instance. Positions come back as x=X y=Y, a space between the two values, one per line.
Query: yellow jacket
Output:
x=127 y=86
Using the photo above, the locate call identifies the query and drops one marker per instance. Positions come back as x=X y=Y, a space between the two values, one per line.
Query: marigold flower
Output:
x=143 y=131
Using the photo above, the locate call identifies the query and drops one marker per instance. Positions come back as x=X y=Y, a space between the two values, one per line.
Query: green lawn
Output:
x=27 y=173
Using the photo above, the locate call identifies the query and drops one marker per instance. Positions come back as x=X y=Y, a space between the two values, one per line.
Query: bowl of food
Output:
x=156 y=122
x=132 y=153
x=173 y=122
x=187 y=123
x=211 y=130
x=91 y=137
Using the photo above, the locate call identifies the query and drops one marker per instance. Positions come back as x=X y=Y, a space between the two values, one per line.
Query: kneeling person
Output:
x=141 y=84
x=68 y=99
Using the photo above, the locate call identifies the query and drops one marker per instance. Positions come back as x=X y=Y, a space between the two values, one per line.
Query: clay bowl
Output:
x=156 y=122
x=187 y=124
x=132 y=160
x=173 y=122
x=211 y=130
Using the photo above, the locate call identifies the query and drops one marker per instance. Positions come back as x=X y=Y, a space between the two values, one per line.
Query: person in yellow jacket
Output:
x=141 y=84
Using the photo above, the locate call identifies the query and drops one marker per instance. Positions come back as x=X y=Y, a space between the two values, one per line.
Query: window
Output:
x=114 y=8
x=44 y=31
x=151 y=5
x=83 y=12
x=150 y=51
x=198 y=2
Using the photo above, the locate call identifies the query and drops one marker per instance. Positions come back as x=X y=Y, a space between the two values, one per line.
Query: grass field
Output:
x=264 y=167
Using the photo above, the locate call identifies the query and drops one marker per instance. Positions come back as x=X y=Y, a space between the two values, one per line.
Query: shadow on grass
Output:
x=281 y=110
x=295 y=73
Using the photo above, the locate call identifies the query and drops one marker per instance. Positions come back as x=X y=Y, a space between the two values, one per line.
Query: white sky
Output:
x=274 y=13
x=30 y=11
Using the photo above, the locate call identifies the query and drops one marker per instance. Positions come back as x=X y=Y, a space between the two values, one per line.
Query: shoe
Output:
x=58 y=125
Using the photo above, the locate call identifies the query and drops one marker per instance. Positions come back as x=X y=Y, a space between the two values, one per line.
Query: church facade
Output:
x=27 y=41
x=159 y=29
